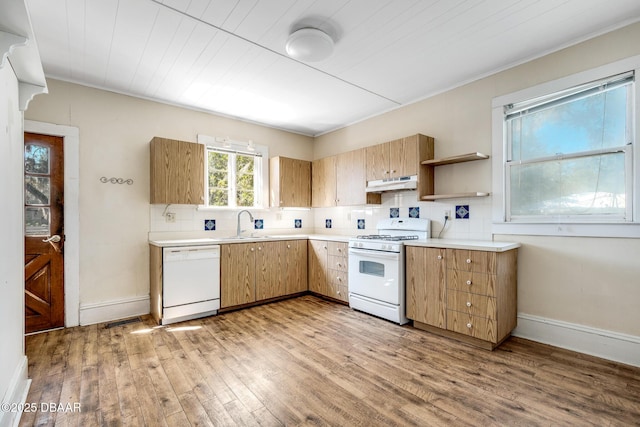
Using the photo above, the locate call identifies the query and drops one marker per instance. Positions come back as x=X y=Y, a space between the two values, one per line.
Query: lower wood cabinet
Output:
x=257 y=271
x=469 y=294
x=328 y=269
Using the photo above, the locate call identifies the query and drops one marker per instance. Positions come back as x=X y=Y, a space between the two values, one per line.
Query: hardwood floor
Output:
x=307 y=361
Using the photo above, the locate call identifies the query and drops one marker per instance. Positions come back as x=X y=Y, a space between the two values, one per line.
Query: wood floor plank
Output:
x=308 y=361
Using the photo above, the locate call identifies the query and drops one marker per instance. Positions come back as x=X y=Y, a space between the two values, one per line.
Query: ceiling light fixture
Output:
x=309 y=45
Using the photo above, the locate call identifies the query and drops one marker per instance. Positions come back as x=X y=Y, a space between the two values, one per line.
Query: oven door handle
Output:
x=374 y=254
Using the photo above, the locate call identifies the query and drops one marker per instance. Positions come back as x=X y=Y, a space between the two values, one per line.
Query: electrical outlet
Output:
x=447 y=214
x=170 y=217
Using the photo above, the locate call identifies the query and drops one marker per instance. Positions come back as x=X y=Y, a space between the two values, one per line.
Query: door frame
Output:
x=71 y=144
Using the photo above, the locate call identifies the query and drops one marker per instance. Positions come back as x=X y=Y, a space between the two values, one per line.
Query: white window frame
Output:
x=261 y=171
x=564 y=226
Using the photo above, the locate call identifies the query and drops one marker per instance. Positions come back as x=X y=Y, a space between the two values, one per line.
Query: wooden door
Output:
x=296 y=266
x=270 y=267
x=318 y=254
x=237 y=274
x=377 y=162
x=44 y=232
x=426 y=285
x=323 y=181
x=403 y=157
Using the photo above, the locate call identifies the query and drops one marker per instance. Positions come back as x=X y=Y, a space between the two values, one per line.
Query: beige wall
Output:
x=115 y=131
x=591 y=282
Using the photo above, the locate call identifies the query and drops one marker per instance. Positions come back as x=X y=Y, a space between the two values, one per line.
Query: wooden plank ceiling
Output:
x=228 y=56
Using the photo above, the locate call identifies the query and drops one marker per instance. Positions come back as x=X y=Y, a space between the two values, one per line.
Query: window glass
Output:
x=569 y=155
x=233 y=178
x=593 y=122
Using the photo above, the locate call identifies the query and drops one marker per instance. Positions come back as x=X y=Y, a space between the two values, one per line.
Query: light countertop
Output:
x=478 y=245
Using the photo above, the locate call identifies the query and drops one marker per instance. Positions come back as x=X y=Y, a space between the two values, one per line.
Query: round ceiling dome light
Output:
x=309 y=45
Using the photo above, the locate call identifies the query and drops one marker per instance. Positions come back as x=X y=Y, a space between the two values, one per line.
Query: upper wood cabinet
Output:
x=289 y=182
x=351 y=180
x=323 y=182
x=398 y=158
x=177 y=172
x=341 y=181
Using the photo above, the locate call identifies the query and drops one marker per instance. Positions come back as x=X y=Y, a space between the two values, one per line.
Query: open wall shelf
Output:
x=456 y=159
x=431 y=164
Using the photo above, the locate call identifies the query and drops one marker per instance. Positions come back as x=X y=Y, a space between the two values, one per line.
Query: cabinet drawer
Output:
x=342 y=293
x=472 y=304
x=480 y=261
x=338 y=263
x=471 y=281
x=473 y=326
x=338 y=248
x=337 y=278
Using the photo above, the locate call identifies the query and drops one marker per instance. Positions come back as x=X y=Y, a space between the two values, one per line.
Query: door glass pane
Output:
x=37 y=221
x=37 y=190
x=36 y=159
x=372 y=268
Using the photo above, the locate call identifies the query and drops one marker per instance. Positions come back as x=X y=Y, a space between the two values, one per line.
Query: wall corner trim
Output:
x=114 y=310
x=16 y=395
x=609 y=345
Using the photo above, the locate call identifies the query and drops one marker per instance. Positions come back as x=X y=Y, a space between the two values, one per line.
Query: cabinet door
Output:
x=177 y=172
x=323 y=179
x=270 y=270
x=351 y=174
x=295 y=278
x=426 y=285
x=318 y=250
x=377 y=162
x=237 y=274
x=290 y=182
x=403 y=157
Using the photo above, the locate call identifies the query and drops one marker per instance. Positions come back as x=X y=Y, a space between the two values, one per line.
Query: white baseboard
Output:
x=108 y=311
x=16 y=395
x=584 y=339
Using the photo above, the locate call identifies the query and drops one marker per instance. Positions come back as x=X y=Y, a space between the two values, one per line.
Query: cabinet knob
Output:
x=468 y=303
x=469 y=282
x=259 y=248
x=339 y=249
x=288 y=246
x=469 y=325
x=468 y=260
x=393 y=171
x=338 y=264
x=439 y=256
x=338 y=292
x=324 y=247
x=252 y=249
x=339 y=279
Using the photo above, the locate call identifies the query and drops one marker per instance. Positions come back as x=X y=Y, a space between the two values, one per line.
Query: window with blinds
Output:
x=568 y=155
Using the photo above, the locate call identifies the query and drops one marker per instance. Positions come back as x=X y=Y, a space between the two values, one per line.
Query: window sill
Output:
x=621 y=230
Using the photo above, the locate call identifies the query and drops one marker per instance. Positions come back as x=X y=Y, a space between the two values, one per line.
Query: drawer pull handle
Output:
x=439 y=256
x=468 y=260
x=468 y=303
x=469 y=325
x=469 y=282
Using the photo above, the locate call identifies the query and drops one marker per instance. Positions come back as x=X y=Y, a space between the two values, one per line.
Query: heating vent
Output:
x=123 y=322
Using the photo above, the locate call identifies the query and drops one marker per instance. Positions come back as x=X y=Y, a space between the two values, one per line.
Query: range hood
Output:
x=393 y=184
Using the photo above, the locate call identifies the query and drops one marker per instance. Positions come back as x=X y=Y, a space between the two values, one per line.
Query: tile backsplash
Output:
x=344 y=220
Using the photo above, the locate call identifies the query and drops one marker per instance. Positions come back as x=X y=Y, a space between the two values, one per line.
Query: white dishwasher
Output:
x=190 y=282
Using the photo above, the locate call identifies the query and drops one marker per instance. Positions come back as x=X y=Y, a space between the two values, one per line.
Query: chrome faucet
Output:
x=239 y=231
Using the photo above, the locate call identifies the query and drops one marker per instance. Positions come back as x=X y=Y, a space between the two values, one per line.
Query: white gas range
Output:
x=376 y=267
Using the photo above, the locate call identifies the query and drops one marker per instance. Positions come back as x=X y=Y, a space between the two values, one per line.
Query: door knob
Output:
x=55 y=239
